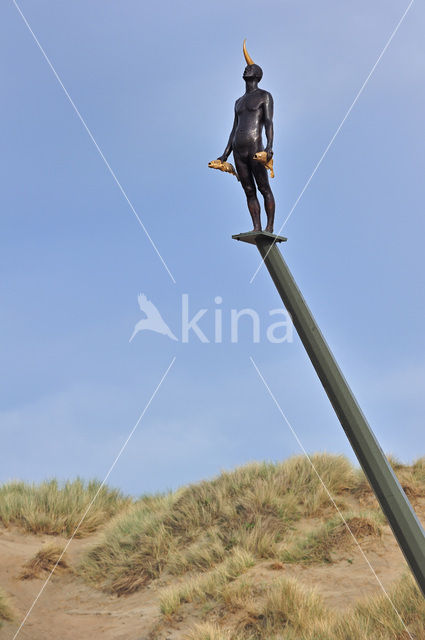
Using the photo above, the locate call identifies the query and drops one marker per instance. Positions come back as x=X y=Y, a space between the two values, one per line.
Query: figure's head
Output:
x=252 y=70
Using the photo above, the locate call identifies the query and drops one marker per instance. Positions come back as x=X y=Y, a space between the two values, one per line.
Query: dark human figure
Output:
x=253 y=111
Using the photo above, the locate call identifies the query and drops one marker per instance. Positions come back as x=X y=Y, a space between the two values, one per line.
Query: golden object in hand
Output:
x=223 y=166
x=261 y=156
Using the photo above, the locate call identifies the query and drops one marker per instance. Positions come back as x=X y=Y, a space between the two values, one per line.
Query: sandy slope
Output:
x=68 y=609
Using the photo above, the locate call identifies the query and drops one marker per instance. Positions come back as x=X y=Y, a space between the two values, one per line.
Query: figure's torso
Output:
x=249 y=110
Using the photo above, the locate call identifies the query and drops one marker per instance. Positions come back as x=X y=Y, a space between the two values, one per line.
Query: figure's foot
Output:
x=269 y=229
x=257 y=228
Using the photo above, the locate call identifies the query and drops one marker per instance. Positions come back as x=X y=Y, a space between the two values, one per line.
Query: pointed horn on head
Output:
x=248 y=58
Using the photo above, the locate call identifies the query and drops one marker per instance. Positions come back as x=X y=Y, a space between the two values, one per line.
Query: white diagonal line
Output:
x=327 y=491
x=94 y=498
x=83 y=122
x=336 y=133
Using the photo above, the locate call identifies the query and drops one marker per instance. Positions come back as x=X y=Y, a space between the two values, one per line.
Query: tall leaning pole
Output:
x=253 y=113
x=405 y=524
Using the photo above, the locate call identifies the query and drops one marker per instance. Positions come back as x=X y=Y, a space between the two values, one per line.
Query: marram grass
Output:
x=333 y=535
x=49 y=558
x=285 y=610
x=206 y=540
x=206 y=585
x=252 y=508
x=6 y=611
x=57 y=509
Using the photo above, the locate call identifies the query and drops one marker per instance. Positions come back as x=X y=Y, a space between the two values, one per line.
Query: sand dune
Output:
x=72 y=608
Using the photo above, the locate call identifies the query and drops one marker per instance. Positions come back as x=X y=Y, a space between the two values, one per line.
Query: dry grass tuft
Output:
x=134 y=550
x=6 y=610
x=418 y=470
x=209 y=585
x=201 y=554
x=332 y=536
x=208 y=631
x=376 y=619
x=44 y=560
x=395 y=463
x=287 y=609
x=411 y=478
x=57 y=509
x=240 y=594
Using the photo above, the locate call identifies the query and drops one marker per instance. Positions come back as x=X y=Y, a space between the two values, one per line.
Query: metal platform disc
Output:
x=251 y=236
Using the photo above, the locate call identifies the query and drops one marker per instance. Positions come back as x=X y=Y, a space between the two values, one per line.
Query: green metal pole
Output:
x=405 y=524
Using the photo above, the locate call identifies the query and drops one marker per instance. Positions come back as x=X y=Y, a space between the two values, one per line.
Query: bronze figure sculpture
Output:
x=253 y=111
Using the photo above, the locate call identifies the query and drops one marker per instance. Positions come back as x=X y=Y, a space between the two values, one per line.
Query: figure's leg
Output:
x=247 y=181
x=262 y=180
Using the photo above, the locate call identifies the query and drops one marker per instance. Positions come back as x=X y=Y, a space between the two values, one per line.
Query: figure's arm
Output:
x=268 y=124
x=229 y=147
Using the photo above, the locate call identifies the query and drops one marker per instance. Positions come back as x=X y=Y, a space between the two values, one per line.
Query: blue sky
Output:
x=156 y=84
